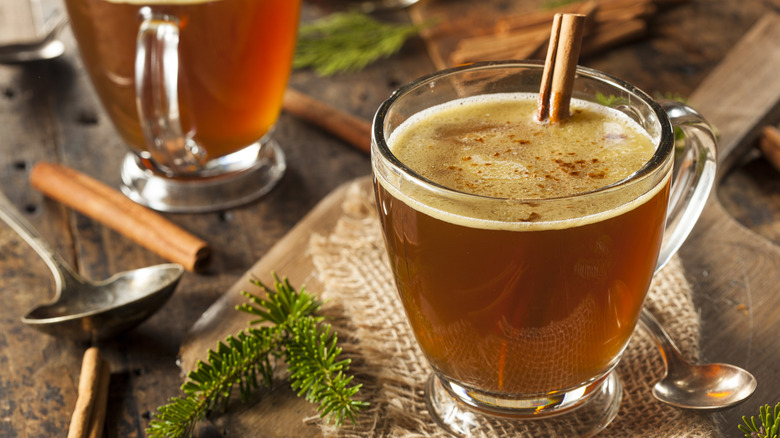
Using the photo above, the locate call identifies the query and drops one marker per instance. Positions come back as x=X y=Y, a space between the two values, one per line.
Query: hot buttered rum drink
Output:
x=234 y=60
x=543 y=292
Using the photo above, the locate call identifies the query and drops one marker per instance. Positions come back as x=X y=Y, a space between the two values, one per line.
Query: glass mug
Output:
x=503 y=309
x=194 y=87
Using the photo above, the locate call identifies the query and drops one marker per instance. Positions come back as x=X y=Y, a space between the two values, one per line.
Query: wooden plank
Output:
x=48 y=110
x=740 y=96
x=455 y=19
x=287 y=258
x=39 y=373
x=726 y=264
x=735 y=272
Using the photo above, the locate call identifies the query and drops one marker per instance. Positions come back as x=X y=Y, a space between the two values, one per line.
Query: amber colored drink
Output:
x=235 y=58
x=542 y=295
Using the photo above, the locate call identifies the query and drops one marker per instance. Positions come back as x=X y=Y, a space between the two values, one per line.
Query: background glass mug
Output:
x=504 y=310
x=194 y=87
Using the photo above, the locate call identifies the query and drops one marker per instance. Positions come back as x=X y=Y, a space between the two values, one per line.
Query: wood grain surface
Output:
x=49 y=111
x=278 y=412
x=733 y=271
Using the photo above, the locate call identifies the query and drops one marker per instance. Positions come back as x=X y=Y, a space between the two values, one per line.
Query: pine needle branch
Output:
x=292 y=331
x=238 y=360
x=316 y=374
x=348 y=42
x=770 y=423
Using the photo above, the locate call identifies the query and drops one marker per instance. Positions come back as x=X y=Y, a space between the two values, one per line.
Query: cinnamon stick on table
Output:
x=348 y=127
x=89 y=412
x=560 y=66
x=113 y=209
x=769 y=143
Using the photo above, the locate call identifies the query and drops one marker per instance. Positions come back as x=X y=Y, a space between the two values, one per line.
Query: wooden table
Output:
x=48 y=110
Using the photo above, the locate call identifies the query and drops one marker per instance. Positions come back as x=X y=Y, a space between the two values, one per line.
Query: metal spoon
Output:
x=31 y=52
x=47 y=48
x=89 y=311
x=705 y=386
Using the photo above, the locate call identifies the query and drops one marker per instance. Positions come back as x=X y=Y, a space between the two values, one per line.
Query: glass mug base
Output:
x=226 y=185
x=582 y=412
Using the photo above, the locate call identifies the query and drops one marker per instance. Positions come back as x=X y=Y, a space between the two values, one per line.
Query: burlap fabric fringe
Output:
x=352 y=265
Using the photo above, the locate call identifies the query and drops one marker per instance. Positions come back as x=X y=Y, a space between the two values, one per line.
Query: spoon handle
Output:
x=670 y=353
x=18 y=223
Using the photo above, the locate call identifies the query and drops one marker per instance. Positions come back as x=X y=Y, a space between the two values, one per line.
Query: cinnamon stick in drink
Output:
x=106 y=205
x=560 y=67
x=549 y=68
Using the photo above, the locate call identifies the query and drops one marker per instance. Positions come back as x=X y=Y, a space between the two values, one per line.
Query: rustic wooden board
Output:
x=452 y=20
x=279 y=412
x=734 y=272
x=450 y=25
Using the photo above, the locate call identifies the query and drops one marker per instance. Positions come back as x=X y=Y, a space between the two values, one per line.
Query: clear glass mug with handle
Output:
x=523 y=307
x=194 y=88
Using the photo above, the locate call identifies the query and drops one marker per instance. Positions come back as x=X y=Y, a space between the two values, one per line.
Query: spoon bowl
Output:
x=85 y=310
x=690 y=386
x=101 y=310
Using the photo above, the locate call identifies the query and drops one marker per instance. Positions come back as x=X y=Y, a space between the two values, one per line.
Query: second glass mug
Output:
x=194 y=88
x=468 y=277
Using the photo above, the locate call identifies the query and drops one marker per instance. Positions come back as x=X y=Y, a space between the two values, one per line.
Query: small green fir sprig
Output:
x=770 y=423
x=610 y=100
x=291 y=332
x=554 y=4
x=348 y=42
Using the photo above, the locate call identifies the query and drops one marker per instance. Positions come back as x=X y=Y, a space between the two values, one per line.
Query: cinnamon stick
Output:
x=549 y=68
x=98 y=418
x=86 y=413
x=352 y=129
x=769 y=143
x=106 y=205
x=560 y=66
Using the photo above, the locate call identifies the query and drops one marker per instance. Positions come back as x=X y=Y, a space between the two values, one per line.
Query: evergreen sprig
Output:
x=554 y=4
x=770 y=423
x=291 y=331
x=316 y=374
x=348 y=42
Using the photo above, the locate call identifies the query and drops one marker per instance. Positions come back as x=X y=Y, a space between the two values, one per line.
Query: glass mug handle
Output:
x=157 y=96
x=693 y=178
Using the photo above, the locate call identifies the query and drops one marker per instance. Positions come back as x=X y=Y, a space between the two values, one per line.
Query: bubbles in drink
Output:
x=493 y=146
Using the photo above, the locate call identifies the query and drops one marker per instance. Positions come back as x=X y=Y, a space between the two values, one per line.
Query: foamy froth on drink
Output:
x=493 y=146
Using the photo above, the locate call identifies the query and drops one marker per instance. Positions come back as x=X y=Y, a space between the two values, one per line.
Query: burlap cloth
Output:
x=352 y=265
